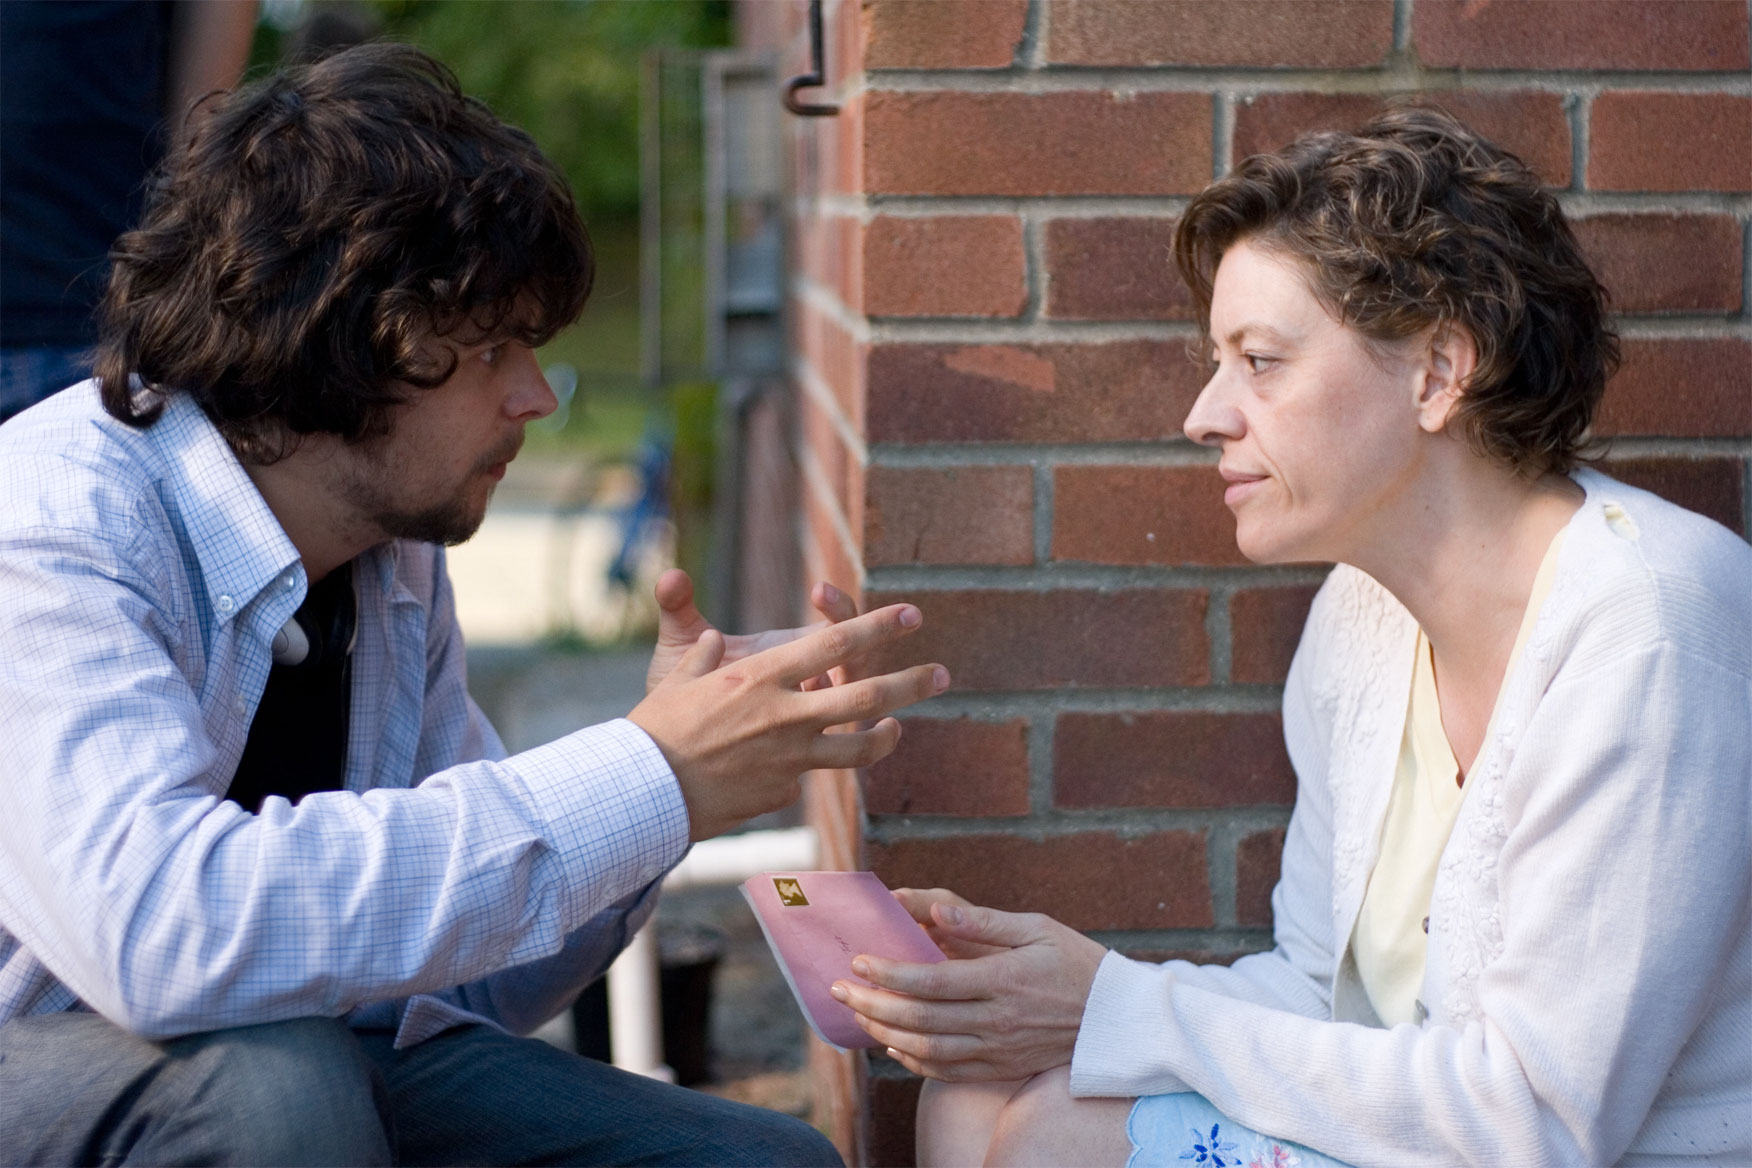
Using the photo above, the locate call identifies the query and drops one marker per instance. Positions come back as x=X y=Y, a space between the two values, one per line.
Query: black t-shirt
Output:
x=81 y=123
x=298 y=740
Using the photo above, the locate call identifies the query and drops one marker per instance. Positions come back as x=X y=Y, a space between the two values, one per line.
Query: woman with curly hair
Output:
x=1514 y=923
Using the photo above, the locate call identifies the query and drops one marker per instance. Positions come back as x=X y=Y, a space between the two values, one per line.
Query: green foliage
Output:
x=567 y=71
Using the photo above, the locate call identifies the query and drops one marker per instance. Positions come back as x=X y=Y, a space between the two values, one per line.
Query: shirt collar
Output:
x=238 y=542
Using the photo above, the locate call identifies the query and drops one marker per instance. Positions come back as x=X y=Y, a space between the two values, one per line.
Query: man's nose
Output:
x=531 y=396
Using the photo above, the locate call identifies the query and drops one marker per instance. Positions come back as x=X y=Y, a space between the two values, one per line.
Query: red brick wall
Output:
x=991 y=379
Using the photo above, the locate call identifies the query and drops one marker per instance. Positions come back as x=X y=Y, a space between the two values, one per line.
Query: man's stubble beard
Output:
x=449 y=521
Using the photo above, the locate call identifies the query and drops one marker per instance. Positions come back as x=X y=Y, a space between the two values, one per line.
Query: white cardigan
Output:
x=1589 y=981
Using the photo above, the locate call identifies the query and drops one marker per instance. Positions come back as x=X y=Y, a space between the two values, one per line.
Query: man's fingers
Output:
x=855 y=748
x=831 y=603
x=702 y=656
x=861 y=701
x=677 y=617
x=820 y=651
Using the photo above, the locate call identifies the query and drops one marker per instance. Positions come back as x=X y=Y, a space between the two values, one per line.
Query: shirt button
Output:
x=242 y=705
x=1421 y=1012
x=225 y=603
x=289 y=580
x=1426 y=926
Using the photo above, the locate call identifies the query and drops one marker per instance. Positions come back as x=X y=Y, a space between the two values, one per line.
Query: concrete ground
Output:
x=530 y=587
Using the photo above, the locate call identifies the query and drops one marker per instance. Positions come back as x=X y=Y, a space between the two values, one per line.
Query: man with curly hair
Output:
x=270 y=889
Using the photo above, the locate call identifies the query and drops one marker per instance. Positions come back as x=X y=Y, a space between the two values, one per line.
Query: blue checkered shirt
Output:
x=142 y=579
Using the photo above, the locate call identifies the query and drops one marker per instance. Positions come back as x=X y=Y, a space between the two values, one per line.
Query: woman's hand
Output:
x=1008 y=1011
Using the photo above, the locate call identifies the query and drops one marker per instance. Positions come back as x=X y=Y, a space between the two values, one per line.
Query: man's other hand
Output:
x=739 y=735
x=680 y=623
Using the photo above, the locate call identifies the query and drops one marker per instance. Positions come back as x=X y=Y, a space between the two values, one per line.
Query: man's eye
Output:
x=491 y=354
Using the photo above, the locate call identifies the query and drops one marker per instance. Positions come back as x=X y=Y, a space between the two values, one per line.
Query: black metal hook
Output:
x=812 y=79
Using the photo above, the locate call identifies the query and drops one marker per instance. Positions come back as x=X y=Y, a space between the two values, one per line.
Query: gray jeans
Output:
x=76 y=1089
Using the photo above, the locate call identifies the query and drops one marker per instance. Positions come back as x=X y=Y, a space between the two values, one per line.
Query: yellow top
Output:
x=1391 y=935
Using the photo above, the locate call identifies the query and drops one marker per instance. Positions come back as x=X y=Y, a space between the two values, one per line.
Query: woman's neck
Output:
x=1462 y=556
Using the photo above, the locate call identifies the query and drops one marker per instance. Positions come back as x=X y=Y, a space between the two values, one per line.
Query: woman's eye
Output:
x=1256 y=363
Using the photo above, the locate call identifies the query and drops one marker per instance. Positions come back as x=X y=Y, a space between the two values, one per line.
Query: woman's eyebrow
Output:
x=1262 y=331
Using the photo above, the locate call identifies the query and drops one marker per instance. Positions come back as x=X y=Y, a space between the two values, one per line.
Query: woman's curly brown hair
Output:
x=1414 y=223
x=317 y=232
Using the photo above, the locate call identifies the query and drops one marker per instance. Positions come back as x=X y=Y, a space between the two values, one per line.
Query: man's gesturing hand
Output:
x=738 y=737
x=680 y=623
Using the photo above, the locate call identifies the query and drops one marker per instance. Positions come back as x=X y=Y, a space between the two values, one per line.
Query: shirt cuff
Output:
x=610 y=805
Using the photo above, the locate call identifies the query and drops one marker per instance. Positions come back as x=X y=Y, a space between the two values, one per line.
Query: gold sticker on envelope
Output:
x=790 y=892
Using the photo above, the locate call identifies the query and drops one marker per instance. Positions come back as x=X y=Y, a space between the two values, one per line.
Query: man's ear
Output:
x=1448 y=365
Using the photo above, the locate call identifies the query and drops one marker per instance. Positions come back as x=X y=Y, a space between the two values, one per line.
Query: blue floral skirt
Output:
x=1185 y=1129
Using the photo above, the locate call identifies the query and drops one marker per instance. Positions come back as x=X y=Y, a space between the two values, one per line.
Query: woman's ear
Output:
x=1448 y=365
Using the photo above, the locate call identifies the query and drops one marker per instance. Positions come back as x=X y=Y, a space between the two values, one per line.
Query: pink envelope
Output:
x=816 y=922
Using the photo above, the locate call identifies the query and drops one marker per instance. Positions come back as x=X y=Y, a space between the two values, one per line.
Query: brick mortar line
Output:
x=823 y=496
x=1222 y=133
x=821 y=393
x=1172 y=452
x=1686 y=327
x=1222 y=857
x=1746 y=265
x=1042 y=728
x=989 y=330
x=1036 y=279
x=1388 y=79
x=1082 y=577
x=1126 y=822
x=1036 y=27
x=1582 y=204
x=1043 y=207
x=1043 y=514
x=1401 y=37
x=1576 y=203
x=827 y=302
x=1219 y=633
x=1578 y=109
x=1641 y=447
x=1047 y=330
x=1005 y=705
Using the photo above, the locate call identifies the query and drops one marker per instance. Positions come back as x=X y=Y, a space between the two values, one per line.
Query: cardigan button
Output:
x=1426 y=926
x=1422 y=1012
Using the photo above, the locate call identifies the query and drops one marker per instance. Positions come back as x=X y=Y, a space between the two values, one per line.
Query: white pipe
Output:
x=731 y=859
x=635 y=1023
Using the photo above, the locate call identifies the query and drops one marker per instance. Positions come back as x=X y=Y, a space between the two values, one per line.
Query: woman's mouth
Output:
x=1240 y=486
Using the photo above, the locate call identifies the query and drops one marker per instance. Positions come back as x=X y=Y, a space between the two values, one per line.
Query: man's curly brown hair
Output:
x=1415 y=223
x=318 y=231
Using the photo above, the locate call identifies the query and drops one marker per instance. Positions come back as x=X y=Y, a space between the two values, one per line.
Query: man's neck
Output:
x=300 y=489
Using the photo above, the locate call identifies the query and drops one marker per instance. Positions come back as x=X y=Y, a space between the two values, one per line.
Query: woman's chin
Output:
x=1263 y=546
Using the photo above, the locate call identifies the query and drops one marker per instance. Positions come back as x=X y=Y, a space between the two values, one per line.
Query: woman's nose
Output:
x=1213 y=418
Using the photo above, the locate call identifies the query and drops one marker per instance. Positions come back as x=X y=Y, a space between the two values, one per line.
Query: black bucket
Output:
x=688 y=956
